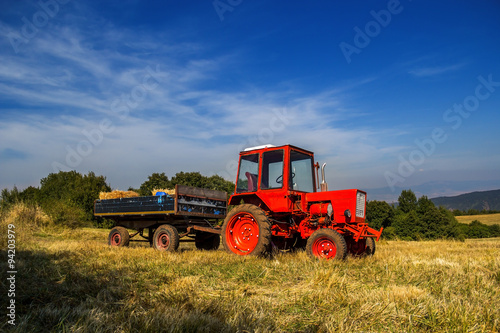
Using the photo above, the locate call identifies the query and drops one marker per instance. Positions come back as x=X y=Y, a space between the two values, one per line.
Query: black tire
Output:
x=247 y=231
x=370 y=247
x=166 y=238
x=118 y=236
x=207 y=241
x=326 y=244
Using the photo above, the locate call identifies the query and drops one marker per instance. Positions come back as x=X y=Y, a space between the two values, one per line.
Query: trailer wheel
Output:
x=118 y=236
x=326 y=244
x=370 y=247
x=207 y=241
x=246 y=231
x=166 y=238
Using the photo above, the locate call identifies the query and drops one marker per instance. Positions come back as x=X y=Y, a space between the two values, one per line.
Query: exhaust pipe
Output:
x=323 y=185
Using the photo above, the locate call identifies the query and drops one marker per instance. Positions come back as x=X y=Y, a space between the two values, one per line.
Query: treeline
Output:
x=161 y=181
x=458 y=212
x=416 y=219
x=68 y=197
x=476 y=229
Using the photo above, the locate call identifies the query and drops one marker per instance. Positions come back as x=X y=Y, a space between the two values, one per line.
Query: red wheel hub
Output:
x=162 y=241
x=242 y=233
x=324 y=248
x=116 y=239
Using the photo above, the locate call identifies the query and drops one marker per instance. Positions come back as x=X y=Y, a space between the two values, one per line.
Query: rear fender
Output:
x=252 y=198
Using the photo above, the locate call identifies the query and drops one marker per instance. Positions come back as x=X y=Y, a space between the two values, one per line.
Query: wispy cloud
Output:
x=436 y=70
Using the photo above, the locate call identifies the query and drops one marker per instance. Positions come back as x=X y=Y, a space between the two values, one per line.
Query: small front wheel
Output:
x=326 y=244
x=370 y=246
x=118 y=236
x=166 y=238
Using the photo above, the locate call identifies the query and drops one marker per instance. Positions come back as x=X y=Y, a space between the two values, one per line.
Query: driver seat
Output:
x=252 y=181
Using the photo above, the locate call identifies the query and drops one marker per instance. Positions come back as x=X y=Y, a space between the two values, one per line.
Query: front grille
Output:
x=360 y=204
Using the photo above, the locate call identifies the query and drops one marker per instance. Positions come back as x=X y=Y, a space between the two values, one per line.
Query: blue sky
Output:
x=391 y=94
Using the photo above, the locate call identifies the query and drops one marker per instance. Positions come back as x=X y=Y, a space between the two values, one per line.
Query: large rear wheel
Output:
x=118 y=236
x=166 y=238
x=326 y=244
x=246 y=231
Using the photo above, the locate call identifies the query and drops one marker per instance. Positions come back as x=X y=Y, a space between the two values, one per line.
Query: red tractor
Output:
x=278 y=206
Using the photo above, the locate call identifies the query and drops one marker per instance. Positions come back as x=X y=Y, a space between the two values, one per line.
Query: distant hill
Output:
x=487 y=200
x=434 y=189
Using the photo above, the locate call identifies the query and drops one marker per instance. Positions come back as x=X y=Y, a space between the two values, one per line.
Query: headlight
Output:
x=360 y=204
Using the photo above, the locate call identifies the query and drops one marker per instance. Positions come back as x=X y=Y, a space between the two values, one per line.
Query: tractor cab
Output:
x=274 y=176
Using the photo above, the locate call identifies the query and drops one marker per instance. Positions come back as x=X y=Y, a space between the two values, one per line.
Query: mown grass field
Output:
x=71 y=281
x=488 y=219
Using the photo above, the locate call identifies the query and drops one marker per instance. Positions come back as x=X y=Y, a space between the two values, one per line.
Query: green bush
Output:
x=413 y=219
x=64 y=214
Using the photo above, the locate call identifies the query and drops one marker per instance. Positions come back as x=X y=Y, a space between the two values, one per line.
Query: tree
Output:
x=8 y=198
x=196 y=179
x=478 y=230
x=407 y=225
x=432 y=223
x=216 y=182
x=424 y=204
x=155 y=181
x=451 y=224
x=68 y=197
x=407 y=201
x=30 y=195
x=379 y=214
x=88 y=189
x=190 y=179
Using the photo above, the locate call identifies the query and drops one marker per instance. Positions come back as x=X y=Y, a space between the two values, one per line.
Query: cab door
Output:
x=273 y=179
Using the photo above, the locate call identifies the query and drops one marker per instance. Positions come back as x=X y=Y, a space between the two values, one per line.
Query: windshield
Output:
x=301 y=166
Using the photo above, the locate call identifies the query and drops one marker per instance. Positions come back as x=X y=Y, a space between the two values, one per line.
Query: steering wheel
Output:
x=279 y=180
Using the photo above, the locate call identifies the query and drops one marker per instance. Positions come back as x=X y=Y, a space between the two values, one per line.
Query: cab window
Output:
x=272 y=169
x=301 y=168
x=248 y=174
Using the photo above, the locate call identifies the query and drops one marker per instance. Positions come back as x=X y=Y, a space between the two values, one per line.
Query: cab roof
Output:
x=273 y=147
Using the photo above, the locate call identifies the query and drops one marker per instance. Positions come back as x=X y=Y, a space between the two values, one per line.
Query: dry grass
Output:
x=488 y=219
x=26 y=219
x=72 y=281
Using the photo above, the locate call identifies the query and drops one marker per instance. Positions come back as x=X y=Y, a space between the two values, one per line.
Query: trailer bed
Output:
x=190 y=212
x=187 y=201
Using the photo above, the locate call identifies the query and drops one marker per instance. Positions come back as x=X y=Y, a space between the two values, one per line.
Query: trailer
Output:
x=190 y=214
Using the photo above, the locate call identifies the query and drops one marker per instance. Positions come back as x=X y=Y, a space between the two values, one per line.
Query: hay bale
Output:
x=130 y=194
x=168 y=191
x=116 y=194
